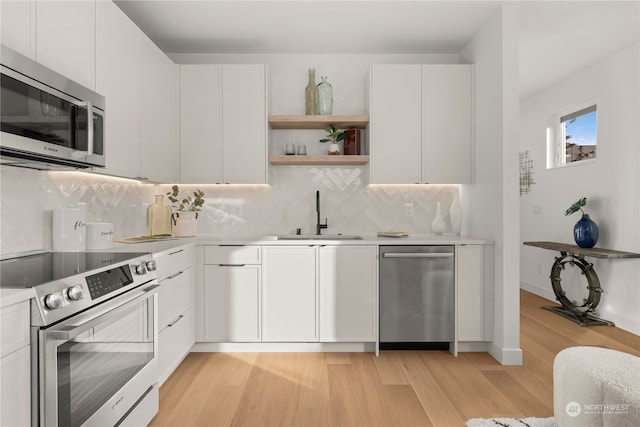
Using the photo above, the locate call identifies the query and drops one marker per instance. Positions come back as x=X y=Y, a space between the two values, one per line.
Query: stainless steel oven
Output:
x=94 y=337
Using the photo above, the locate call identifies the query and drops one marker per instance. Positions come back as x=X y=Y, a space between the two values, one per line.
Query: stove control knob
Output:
x=75 y=293
x=141 y=269
x=151 y=265
x=53 y=301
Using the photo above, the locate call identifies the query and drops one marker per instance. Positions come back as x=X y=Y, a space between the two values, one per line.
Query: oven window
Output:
x=96 y=365
x=36 y=114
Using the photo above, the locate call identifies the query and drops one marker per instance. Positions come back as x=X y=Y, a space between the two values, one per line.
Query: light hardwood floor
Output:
x=399 y=388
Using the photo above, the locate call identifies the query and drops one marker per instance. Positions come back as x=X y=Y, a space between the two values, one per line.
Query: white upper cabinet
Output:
x=117 y=79
x=158 y=114
x=200 y=124
x=65 y=33
x=395 y=124
x=223 y=124
x=421 y=124
x=447 y=123
x=18 y=27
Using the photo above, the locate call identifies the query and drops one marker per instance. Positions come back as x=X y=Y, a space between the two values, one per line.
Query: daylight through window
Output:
x=578 y=135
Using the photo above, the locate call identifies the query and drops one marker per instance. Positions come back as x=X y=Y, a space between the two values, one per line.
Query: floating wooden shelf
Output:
x=318 y=122
x=319 y=160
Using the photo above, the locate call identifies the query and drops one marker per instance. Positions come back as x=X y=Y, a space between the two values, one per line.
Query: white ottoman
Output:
x=595 y=386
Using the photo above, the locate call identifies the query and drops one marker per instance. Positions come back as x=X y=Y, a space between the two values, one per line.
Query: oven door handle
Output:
x=67 y=331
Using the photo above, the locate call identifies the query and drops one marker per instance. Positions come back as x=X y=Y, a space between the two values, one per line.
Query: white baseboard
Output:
x=506 y=356
x=544 y=292
x=287 y=347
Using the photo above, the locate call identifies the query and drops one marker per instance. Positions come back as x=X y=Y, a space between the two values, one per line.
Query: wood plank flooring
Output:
x=398 y=388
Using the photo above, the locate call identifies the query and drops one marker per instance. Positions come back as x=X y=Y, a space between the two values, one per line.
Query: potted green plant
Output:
x=335 y=135
x=585 y=232
x=186 y=210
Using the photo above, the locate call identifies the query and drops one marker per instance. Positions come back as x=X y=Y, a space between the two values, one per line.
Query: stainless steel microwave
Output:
x=48 y=121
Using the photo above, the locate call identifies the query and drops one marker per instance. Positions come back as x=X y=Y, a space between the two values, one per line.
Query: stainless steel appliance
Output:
x=417 y=291
x=48 y=120
x=93 y=336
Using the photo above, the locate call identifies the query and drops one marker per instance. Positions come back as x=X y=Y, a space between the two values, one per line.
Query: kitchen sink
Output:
x=320 y=237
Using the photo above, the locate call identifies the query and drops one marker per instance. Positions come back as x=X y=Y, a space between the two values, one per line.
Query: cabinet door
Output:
x=473 y=294
x=200 y=124
x=347 y=293
x=15 y=403
x=289 y=294
x=66 y=38
x=175 y=296
x=118 y=79
x=231 y=302
x=158 y=142
x=244 y=124
x=174 y=342
x=18 y=28
x=446 y=123
x=395 y=124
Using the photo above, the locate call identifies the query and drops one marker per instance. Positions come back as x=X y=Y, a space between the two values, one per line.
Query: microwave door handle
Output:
x=69 y=331
x=90 y=135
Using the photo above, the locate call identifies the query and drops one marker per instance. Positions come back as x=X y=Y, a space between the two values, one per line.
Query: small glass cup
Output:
x=290 y=149
x=302 y=150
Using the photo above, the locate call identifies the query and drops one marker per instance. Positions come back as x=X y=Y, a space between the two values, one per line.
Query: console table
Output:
x=584 y=314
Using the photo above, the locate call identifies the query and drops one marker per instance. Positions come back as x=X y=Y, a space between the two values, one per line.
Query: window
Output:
x=572 y=138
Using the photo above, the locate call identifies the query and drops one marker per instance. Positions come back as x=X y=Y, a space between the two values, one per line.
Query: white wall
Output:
x=494 y=196
x=611 y=185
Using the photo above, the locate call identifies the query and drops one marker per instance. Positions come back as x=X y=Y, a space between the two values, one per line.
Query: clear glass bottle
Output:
x=159 y=218
x=325 y=97
x=310 y=102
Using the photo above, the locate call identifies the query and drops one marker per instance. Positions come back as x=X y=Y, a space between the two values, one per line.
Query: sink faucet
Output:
x=319 y=225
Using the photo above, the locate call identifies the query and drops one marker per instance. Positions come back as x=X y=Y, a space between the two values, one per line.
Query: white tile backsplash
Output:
x=351 y=206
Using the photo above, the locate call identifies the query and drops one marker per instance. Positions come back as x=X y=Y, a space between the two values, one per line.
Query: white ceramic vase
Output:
x=185 y=224
x=438 y=226
x=455 y=214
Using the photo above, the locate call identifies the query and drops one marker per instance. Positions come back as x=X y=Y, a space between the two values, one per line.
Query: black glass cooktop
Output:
x=33 y=270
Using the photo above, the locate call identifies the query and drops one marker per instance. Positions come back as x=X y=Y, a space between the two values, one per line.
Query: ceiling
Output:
x=557 y=38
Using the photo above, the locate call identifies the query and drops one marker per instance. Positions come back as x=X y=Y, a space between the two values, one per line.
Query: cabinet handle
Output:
x=176 y=252
x=174 y=275
x=233 y=246
x=231 y=265
x=175 y=321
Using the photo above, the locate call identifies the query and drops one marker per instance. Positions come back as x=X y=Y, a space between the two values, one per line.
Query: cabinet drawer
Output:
x=15 y=327
x=174 y=342
x=232 y=255
x=175 y=296
x=172 y=261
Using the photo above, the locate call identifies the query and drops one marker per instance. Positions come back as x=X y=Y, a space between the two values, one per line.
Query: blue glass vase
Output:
x=585 y=232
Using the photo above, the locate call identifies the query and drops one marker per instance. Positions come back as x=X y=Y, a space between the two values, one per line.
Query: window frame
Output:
x=556 y=135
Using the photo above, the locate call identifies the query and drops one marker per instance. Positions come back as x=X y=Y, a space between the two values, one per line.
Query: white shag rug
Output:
x=512 y=422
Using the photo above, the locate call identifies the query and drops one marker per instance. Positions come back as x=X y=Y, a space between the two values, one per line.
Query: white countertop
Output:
x=13 y=296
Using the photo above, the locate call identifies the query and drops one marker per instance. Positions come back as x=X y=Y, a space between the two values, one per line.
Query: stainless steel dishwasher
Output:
x=417 y=296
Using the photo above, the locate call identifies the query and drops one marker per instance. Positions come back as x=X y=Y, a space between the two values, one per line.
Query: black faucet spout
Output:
x=319 y=225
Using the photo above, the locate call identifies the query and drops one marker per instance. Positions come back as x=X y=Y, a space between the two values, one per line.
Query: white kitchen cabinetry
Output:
x=474 y=294
x=421 y=123
x=158 y=114
x=348 y=303
x=66 y=36
x=15 y=366
x=289 y=303
x=232 y=276
x=176 y=308
x=223 y=124
x=18 y=27
x=118 y=76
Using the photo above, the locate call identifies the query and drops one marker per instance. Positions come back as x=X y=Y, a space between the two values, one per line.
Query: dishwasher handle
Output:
x=417 y=255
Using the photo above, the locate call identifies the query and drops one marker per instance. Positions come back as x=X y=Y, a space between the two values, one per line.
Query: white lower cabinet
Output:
x=232 y=277
x=232 y=303
x=474 y=296
x=176 y=297
x=348 y=293
x=289 y=294
x=15 y=366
